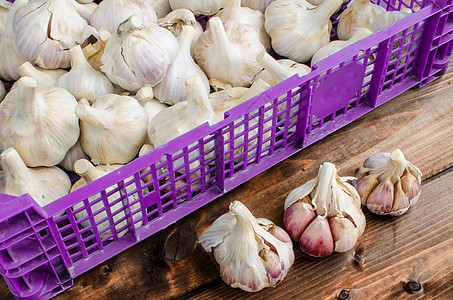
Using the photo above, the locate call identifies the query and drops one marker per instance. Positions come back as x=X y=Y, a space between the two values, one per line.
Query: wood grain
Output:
x=391 y=253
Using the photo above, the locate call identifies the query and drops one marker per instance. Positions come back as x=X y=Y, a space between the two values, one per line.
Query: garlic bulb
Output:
x=260 y=5
x=335 y=46
x=388 y=184
x=324 y=214
x=161 y=7
x=145 y=96
x=198 y=7
x=39 y=123
x=109 y=14
x=387 y=18
x=183 y=116
x=43 y=184
x=253 y=253
x=82 y=80
x=360 y=13
x=138 y=54
x=88 y=174
x=47 y=29
x=4 y=9
x=297 y=28
x=45 y=78
x=10 y=63
x=145 y=149
x=113 y=129
x=177 y=19
x=2 y=91
x=275 y=71
x=227 y=51
x=74 y=154
x=171 y=89
x=233 y=11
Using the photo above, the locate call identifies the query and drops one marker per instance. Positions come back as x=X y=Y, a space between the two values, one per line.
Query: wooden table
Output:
x=397 y=257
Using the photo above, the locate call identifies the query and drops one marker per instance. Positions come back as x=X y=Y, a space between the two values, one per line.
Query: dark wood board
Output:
x=392 y=252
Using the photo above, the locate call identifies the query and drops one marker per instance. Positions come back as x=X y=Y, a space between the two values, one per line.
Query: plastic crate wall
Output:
x=43 y=249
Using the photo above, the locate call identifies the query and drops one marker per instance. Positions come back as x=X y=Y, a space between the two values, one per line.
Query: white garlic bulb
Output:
x=233 y=11
x=113 y=129
x=179 y=18
x=388 y=184
x=360 y=13
x=227 y=51
x=161 y=7
x=297 y=28
x=4 y=9
x=324 y=214
x=43 y=184
x=335 y=46
x=138 y=54
x=39 y=123
x=82 y=80
x=145 y=96
x=387 y=18
x=171 y=89
x=2 y=91
x=260 y=5
x=198 y=7
x=253 y=253
x=74 y=154
x=90 y=173
x=45 y=78
x=109 y=14
x=47 y=29
x=10 y=63
x=275 y=71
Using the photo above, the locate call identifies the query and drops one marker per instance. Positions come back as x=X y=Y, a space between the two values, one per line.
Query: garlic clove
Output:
x=380 y=199
x=411 y=187
x=344 y=233
x=317 y=239
x=400 y=202
x=365 y=186
x=297 y=217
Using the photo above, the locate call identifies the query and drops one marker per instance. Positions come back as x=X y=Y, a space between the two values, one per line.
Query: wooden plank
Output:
x=418 y=122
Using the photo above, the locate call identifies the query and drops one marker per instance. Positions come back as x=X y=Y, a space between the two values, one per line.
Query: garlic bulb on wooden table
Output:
x=227 y=51
x=82 y=80
x=324 y=214
x=109 y=14
x=253 y=253
x=44 y=77
x=47 y=29
x=260 y=5
x=43 y=184
x=11 y=58
x=388 y=184
x=90 y=173
x=138 y=54
x=171 y=89
x=233 y=11
x=113 y=129
x=360 y=13
x=39 y=123
x=4 y=9
x=335 y=46
x=297 y=28
x=177 y=19
x=198 y=7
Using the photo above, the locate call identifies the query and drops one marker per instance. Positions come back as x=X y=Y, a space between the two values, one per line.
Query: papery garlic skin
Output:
x=90 y=173
x=10 y=63
x=324 y=214
x=360 y=13
x=227 y=51
x=260 y=5
x=138 y=54
x=43 y=184
x=2 y=91
x=297 y=28
x=47 y=29
x=109 y=14
x=113 y=129
x=4 y=9
x=388 y=184
x=233 y=11
x=171 y=89
x=161 y=7
x=249 y=255
x=74 y=154
x=39 y=123
x=82 y=80
x=198 y=7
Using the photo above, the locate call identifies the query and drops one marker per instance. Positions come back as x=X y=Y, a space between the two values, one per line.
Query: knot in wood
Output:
x=413 y=286
x=344 y=294
x=179 y=244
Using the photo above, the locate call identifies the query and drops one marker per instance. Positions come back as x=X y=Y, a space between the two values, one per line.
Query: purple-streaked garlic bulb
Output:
x=388 y=184
x=324 y=214
x=253 y=253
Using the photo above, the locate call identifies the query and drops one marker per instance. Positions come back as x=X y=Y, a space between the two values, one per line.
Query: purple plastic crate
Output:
x=42 y=249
